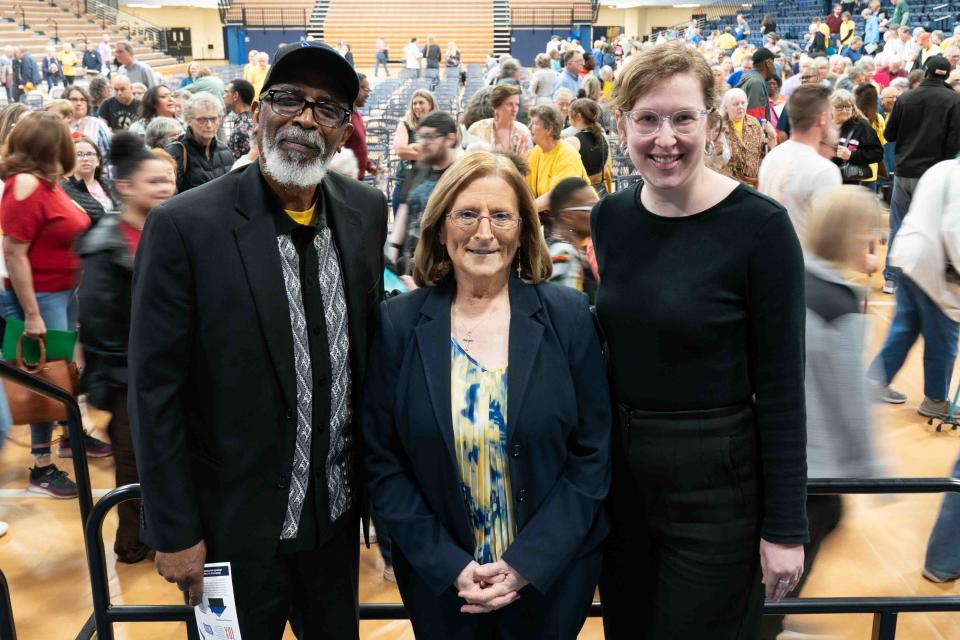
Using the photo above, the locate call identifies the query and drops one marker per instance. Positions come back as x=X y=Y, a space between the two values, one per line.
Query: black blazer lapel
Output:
x=525 y=336
x=433 y=340
x=257 y=241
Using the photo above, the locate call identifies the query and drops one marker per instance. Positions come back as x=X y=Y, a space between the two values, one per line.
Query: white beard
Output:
x=291 y=168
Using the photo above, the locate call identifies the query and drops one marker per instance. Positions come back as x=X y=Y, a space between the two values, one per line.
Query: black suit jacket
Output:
x=559 y=422
x=212 y=394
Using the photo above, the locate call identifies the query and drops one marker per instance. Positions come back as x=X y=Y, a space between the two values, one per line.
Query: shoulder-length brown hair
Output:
x=40 y=144
x=432 y=264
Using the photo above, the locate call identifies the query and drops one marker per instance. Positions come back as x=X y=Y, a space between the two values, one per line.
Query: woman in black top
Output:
x=144 y=179
x=858 y=147
x=590 y=141
x=701 y=302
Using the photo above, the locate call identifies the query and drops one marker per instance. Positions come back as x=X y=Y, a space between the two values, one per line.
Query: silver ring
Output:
x=784 y=581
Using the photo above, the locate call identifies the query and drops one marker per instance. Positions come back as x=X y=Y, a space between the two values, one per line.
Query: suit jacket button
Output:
x=515 y=451
x=282 y=483
x=521 y=495
x=290 y=416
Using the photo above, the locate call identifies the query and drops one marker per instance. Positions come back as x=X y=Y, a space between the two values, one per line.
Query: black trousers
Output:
x=315 y=590
x=558 y=614
x=127 y=545
x=682 y=561
x=823 y=514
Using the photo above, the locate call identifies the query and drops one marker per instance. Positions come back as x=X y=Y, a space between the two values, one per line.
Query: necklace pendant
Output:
x=467 y=339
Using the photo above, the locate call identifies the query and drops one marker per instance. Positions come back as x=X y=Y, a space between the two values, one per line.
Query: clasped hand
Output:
x=488 y=587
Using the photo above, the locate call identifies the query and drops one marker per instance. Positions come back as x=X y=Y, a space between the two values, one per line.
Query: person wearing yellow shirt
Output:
x=727 y=42
x=259 y=72
x=866 y=97
x=848 y=29
x=251 y=63
x=551 y=160
x=68 y=63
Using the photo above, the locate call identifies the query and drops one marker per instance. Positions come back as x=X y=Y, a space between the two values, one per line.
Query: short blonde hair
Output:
x=837 y=216
x=61 y=107
x=432 y=265
x=647 y=70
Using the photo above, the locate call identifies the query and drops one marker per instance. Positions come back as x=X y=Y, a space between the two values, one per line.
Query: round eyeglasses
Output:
x=647 y=122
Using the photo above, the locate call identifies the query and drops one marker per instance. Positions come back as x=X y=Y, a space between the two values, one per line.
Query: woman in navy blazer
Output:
x=494 y=506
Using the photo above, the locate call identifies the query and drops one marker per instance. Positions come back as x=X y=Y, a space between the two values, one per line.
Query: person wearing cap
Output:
x=927 y=49
x=754 y=84
x=253 y=298
x=925 y=125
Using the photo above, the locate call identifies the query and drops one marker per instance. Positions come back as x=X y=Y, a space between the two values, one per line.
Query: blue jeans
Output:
x=59 y=311
x=903 y=189
x=943 y=548
x=381 y=59
x=918 y=315
x=395 y=198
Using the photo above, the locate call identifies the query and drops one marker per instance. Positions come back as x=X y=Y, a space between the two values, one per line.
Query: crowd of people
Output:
x=759 y=176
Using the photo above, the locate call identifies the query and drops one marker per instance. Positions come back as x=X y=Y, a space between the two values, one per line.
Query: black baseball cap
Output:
x=937 y=67
x=762 y=54
x=313 y=55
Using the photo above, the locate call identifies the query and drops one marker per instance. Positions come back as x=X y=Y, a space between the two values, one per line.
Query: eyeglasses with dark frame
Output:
x=291 y=105
x=470 y=220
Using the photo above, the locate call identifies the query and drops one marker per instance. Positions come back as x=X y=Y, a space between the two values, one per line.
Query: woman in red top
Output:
x=40 y=224
x=144 y=179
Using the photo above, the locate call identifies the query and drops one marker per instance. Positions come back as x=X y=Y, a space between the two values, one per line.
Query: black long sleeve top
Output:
x=707 y=311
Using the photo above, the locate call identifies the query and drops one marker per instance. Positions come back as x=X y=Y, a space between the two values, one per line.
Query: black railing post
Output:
x=884 y=626
x=8 y=630
x=104 y=613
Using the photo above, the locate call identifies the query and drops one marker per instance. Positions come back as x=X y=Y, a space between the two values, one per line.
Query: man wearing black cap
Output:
x=252 y=302
x=925 y=124
x=754 y=84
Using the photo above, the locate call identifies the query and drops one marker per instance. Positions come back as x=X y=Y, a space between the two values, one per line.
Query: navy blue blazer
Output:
x=559 y=427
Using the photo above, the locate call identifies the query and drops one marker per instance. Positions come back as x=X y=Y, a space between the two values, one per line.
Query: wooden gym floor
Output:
x=877 y=551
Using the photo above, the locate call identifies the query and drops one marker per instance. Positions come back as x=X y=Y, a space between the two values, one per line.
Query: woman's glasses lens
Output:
x=471 y=220
x=649 y=122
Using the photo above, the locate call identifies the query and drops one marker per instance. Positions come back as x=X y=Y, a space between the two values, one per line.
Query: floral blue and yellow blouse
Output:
x=479 y=404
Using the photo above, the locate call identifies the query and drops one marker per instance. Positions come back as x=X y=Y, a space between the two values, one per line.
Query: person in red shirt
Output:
x=357 y=142
x=833 y=22
x=40 y=224
x=143 y=179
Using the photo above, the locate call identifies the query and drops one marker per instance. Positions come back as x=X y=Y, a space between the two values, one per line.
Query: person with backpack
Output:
x=199 y=155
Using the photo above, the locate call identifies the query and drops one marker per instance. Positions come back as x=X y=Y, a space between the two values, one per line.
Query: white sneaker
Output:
x=4 y=527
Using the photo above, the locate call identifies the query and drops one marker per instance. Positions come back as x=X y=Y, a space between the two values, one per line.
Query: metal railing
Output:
x=295 y=17
x=23 y=18
x=105 y=614
x=581 y=12
x=8 y=630
x=885 y=610
x=105 y=12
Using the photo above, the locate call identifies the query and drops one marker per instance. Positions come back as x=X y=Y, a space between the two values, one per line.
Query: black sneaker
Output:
x=52 y=481
x=95 y=448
